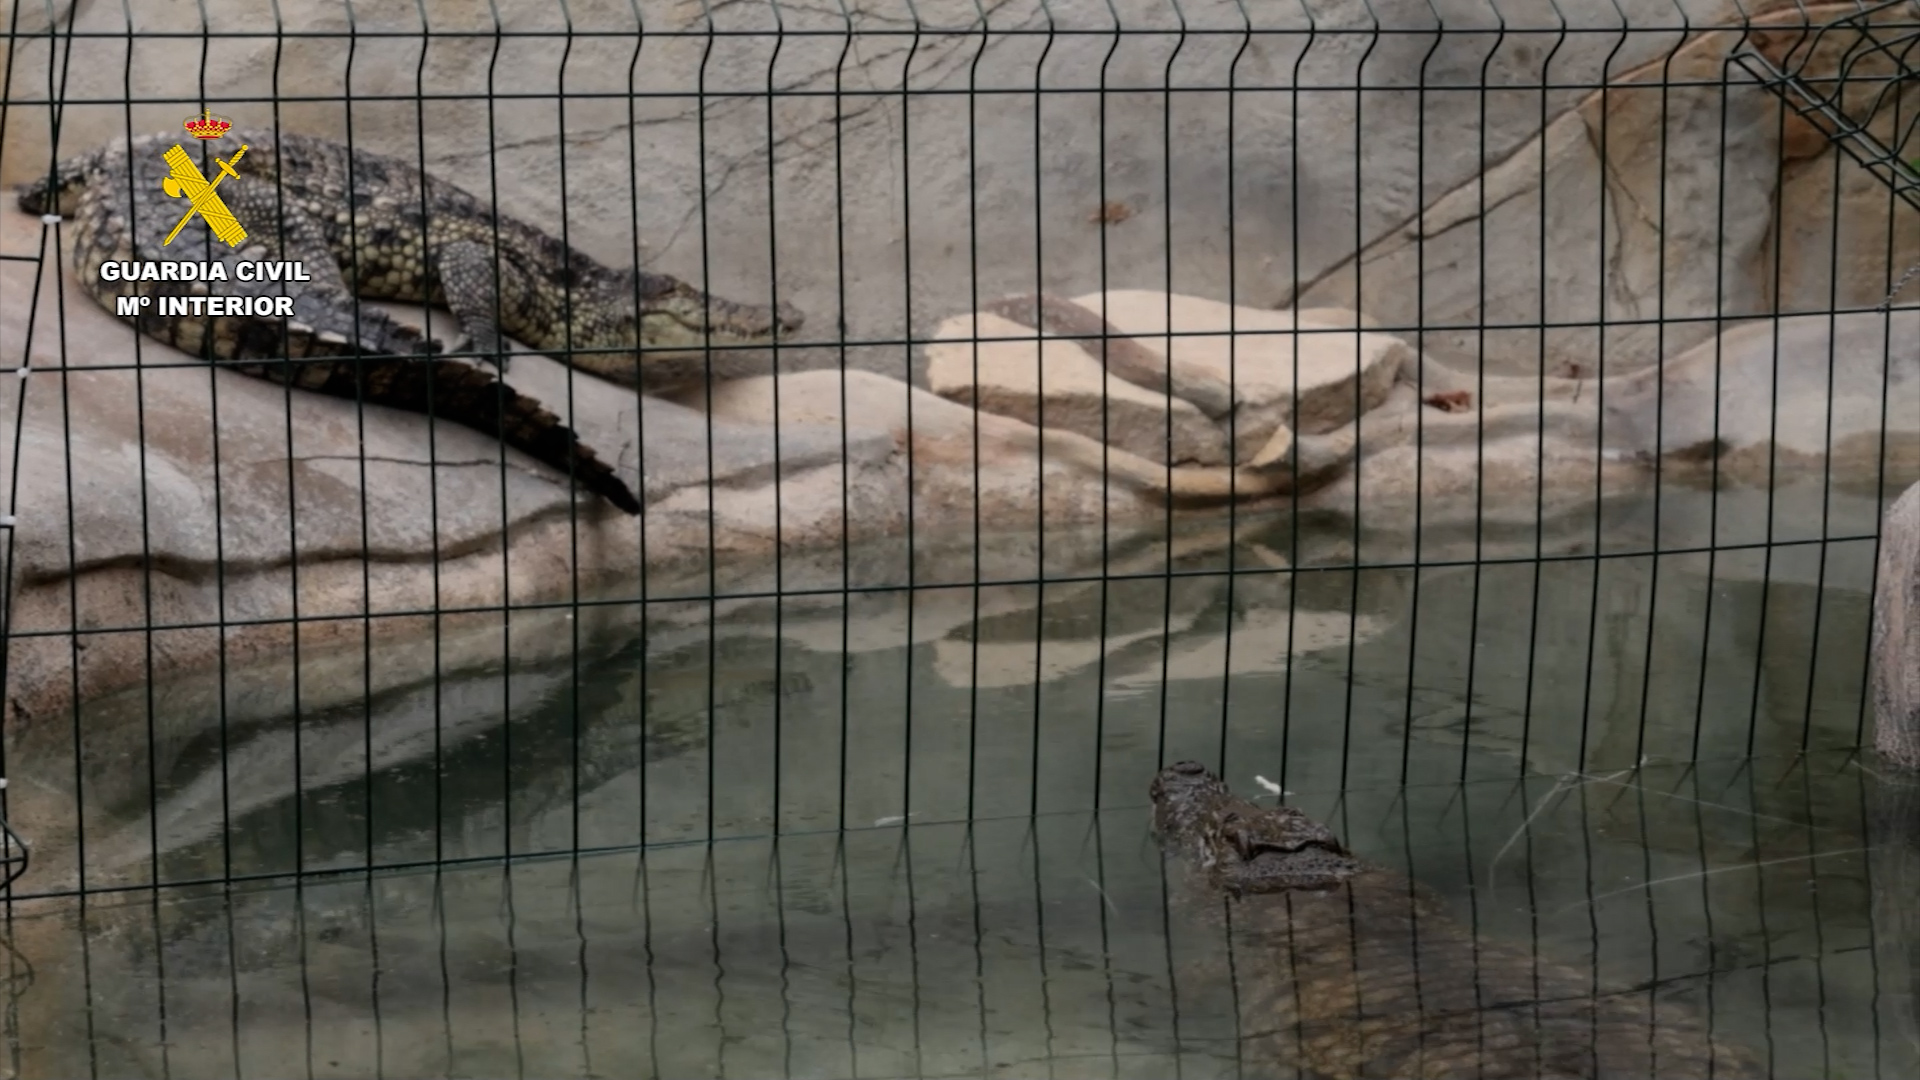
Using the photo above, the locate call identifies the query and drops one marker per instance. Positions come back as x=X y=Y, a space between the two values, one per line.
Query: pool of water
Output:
x=1639 y=768
x=1751 y=893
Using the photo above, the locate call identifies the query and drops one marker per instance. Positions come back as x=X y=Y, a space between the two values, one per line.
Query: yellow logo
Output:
x=187 y=180
x=207 y=125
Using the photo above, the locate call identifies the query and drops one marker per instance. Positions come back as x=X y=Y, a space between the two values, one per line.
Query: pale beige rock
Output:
x=1015 y=377
x=1507 y=448
x=1340 y=373
x=1020 y=475
x=1501 y=464
x=1808 y=395
x=1682 y=222
x=1338 y=318
x=1279 y=447
x=1896 y=635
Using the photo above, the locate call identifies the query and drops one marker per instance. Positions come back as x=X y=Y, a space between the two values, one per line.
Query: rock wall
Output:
x=156 y=495
x=1896 y=636
x=914 y=198
x=1634 y=226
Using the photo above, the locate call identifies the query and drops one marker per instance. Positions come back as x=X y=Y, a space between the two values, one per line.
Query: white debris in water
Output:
x=1272 y=788
x=894 y=819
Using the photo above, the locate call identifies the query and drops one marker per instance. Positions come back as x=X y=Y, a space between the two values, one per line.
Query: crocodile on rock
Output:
x=1346 y=969
x=367 y=225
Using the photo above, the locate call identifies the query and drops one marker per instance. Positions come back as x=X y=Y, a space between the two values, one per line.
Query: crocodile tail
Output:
x=476 y=398
x=397 y=369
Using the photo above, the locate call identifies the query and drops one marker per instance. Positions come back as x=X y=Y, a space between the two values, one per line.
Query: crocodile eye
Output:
x=1189 y=768
x=1231 y=829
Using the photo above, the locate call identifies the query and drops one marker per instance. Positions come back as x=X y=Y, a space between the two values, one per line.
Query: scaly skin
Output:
x=1350 y=970
x=356 y=222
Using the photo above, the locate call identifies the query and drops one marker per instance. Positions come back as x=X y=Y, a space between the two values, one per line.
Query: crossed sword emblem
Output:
x=187 y=180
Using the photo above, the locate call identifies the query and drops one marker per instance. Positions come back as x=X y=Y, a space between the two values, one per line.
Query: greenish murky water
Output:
x=1639 y=768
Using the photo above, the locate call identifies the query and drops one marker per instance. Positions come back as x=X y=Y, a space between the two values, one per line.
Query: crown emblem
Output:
x=208 y=126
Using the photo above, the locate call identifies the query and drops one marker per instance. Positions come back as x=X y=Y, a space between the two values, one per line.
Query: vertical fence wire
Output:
x=1601 y=310
x=49 y=240
x=773 y=364
x=360 y=422
x=1540 y=443
x=1659 y=401
x=1826 y=470
x=846 y=463
x=1233 y=372
x=1295 y=273
x=1039 y=400
x=572 y=414
x=973 y=357
x=912 y=561
x=1359 y=311
x=1880 y=449
x=713 y=540
x=1480 y=394
x=433 y=483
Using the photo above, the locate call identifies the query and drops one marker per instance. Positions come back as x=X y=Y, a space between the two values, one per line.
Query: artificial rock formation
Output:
x=1896 y=636
x=1369 y=401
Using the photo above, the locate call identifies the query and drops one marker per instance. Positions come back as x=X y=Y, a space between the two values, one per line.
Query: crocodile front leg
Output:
x=465 y=271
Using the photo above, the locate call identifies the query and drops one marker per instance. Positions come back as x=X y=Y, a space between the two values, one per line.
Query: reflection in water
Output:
x=1518 y=735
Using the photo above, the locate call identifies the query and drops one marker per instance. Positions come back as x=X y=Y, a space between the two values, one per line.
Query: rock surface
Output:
x=1061 y=384
x=154 y=492
x=1835 y=396
x=177 y=497
x=964 y=464
x=1896 y=635
x=978 y=200
x=1671 y=200
x=1311 y=377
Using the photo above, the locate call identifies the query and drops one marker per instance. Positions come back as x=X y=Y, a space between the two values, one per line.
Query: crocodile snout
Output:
x=754 y=322
x=790 y=319
x=1181 y=776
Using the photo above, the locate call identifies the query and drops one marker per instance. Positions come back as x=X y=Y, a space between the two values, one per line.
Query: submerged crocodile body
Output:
x=368 y=225
x=1345 y=969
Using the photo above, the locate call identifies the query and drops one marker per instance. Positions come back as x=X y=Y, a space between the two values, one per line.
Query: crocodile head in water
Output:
x=677 y=319
x=1245 y=848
